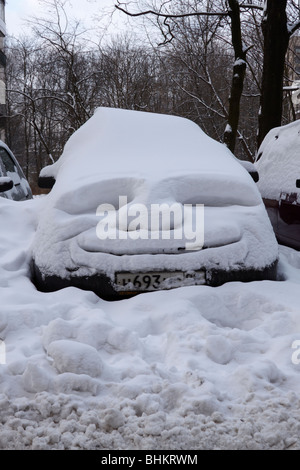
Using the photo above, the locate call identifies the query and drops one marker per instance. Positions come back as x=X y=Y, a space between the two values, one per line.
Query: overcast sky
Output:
x=18 y=10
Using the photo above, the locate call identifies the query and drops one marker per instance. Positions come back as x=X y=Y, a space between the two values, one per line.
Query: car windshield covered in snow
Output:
x=143 y=201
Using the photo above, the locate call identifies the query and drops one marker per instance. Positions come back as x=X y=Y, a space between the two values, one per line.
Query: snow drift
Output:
x=191 y=368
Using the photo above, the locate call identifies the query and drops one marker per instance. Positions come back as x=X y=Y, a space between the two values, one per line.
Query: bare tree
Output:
x=167 y=18
x=56 y=80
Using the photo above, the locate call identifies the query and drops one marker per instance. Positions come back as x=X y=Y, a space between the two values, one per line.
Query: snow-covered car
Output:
x=143 y=202
x=278 y=165
x=13 y=184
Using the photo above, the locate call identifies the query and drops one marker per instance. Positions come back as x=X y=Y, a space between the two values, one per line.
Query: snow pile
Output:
x=278 y=161
x=191 y=368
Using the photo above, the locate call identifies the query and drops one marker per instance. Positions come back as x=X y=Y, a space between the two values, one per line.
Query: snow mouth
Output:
x=216 y=229
x=139 y=247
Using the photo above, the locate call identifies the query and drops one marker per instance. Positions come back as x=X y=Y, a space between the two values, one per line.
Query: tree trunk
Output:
x=239 y=70
x=276 y=39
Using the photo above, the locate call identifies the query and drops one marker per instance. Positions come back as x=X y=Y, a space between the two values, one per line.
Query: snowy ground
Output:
x=192 y=368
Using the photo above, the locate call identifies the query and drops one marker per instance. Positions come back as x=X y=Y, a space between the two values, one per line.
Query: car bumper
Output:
x=103 y=286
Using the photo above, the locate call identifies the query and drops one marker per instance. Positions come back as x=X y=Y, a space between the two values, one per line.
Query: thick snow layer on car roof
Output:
x=150 y=154
x=279 y=161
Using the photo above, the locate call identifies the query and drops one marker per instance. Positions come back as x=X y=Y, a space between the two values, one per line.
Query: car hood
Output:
x=235 y=237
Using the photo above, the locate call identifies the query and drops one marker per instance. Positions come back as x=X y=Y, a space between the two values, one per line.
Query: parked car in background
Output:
x=278 y=165
x=13 y=184
x=142 y=202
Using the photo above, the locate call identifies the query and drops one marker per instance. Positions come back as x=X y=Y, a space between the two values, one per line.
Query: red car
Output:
x=278 y=165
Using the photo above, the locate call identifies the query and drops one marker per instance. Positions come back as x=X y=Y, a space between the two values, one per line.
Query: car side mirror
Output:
x=6 y=184
x=254 y=175
x=297 y=183
x=46 y=182
x=250 y=167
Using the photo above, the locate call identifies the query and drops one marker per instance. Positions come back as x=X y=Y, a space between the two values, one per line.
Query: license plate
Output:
x=152 y=281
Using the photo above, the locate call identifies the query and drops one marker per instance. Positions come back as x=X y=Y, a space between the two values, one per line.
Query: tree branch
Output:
x=170 y=15
x=251 y=6
x=293 y=27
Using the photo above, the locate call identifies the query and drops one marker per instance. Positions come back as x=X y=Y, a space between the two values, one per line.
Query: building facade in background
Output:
x=2 y=71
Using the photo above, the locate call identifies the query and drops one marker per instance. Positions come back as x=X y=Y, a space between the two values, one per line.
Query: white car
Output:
x=13 y=184
x=143 y=202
